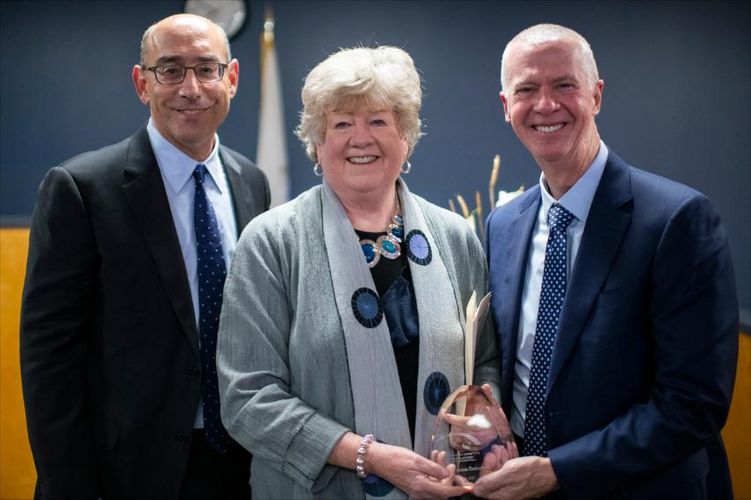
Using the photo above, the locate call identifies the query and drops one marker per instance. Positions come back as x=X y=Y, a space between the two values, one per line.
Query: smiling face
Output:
x=187 y=114
x=362 y=153
x=551 y=103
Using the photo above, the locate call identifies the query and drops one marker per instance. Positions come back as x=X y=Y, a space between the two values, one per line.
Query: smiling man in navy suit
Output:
x=617 y=317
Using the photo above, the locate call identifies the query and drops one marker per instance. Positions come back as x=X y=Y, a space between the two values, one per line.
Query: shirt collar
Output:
x=177 y=167
x=578 y=199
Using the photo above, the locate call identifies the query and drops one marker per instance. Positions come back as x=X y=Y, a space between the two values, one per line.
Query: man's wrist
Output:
x=550 y=479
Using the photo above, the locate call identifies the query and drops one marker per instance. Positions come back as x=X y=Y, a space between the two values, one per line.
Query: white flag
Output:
x=272 y=139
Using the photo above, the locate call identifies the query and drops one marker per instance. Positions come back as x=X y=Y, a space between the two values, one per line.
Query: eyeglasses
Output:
x=174 y=74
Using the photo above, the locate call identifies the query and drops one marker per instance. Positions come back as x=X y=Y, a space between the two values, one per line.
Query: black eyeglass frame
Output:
x=222 y=67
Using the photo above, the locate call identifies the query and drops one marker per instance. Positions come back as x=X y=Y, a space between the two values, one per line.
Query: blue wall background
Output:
x=677 y=86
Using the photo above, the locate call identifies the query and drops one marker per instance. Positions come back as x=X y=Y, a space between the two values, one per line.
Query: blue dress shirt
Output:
x=176 y=169
x=578 y=201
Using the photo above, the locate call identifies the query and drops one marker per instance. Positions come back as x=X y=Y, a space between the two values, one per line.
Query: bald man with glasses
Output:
x=128 y=249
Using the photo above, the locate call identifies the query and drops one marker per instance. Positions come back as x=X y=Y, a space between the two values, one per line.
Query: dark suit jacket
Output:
x=109 y=348
x=644 y=363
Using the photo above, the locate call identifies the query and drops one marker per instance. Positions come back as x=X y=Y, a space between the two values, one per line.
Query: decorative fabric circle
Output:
x=367 y=307
x=418 y=248
x=436 y=390
x=376 y=486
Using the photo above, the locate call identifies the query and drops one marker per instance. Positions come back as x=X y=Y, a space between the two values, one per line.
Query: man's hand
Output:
x=525 y=477
x=498 y=456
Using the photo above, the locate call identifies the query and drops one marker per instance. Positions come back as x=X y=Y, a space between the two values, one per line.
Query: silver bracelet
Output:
x=361 y=451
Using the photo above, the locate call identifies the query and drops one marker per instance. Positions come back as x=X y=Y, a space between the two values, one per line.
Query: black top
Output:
x=393 y=282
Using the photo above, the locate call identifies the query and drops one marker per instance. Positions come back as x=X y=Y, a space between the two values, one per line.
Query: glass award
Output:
x=471 y=431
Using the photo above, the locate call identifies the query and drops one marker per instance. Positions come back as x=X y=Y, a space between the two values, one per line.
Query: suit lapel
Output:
x=608 y=220
x=242 y=197
x=516 y=240
x=144 y=190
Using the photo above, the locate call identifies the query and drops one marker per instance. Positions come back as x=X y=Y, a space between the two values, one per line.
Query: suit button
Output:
x=182 y=438
x=193 y=373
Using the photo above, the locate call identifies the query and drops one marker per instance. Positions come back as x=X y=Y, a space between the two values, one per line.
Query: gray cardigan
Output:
x=281 y=355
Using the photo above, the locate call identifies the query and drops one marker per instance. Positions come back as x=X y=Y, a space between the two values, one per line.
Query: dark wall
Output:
x=677 y=80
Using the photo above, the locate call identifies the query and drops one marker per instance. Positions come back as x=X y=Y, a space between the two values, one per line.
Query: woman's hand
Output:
x=439 y=457
x=413 y=474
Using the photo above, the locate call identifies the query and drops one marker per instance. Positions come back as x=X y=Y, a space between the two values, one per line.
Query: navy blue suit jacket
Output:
x=644 y=363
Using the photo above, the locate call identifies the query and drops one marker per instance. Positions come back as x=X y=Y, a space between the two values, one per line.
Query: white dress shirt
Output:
x=177 y=169
x=578 y=201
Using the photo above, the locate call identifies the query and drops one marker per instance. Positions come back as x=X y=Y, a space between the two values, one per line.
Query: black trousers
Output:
x=214 y=476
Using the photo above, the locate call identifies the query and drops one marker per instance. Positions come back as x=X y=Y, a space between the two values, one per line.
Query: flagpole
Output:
x=272 y=144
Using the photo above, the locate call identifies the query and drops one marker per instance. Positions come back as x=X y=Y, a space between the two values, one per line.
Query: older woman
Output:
x=342 y=326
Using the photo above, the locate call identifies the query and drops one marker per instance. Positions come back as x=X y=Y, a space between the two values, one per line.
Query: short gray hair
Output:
x=381 y=78
x=544 y=33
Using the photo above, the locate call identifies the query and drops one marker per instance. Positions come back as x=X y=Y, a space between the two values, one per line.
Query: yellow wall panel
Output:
x=17 y=473
x=737 y=431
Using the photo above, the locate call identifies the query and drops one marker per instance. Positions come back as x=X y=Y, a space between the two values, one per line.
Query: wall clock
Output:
x=229 y=14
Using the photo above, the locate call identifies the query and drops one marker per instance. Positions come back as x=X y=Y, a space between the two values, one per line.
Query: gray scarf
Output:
x=376 y=390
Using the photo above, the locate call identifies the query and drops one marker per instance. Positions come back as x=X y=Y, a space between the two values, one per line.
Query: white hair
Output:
x=381 y=78
x=544 y=33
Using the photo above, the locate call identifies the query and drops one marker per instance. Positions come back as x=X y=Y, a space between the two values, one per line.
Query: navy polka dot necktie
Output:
x=548 y=314
x=211 y=274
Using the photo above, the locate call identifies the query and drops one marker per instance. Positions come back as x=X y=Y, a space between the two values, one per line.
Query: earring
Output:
x=406 y=167
x=318 y=169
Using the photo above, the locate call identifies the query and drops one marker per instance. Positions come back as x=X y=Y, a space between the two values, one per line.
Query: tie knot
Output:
x=559 y=217
x=199 y=173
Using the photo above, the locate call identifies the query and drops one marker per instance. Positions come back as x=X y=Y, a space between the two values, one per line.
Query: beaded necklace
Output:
x=387 y=244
